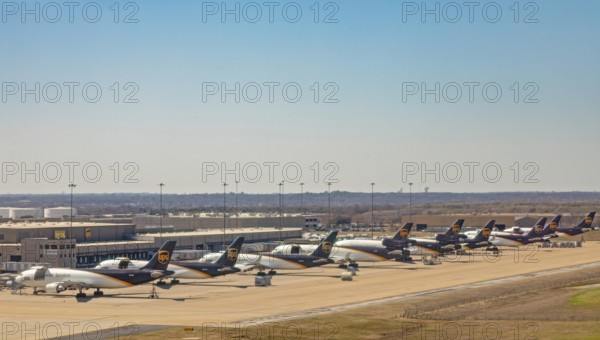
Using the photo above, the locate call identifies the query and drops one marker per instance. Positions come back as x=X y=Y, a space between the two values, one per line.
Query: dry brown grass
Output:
x=537 y=306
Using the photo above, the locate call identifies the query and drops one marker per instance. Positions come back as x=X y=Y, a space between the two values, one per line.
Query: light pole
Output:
x=410 y=202
x=236 y=205
x=71 y=186
x=301 y=200
x=224 y=212
x=161 y=185
x=329 y=204
x=372 y=209
x=281 y=189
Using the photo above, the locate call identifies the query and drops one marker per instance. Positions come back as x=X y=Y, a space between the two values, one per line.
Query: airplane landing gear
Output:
x=261 y=273
x=174 y=281
x=161 y=283
x=98 y=292
x=272 y=272
x=343 y=266
x=354 y=264
x=81 y=294
x=494 y=250
x=153 y=294
x=405 y=257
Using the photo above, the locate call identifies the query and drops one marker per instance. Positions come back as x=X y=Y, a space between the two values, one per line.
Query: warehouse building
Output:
x=214 y=239
x=214 y=221
x=87 y=243
x=14 y=232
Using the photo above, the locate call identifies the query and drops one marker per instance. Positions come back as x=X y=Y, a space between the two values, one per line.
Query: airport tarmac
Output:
x=234 y=298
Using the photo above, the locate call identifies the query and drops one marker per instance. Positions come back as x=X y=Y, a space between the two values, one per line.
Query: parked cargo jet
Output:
x=480 y=239
x=349 y=252
x=518 y=230
x=452 y=235
x=538 y=233
x=318 y=257
x=57 y=280
x=443 y=243
x=584 y=226
x=353 y=251
x=224 y=265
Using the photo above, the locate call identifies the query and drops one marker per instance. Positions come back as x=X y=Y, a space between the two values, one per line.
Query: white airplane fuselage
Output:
x=270 y=262
x=55 y=275
x=344 y=250
x=179 y=272
x=420 y=247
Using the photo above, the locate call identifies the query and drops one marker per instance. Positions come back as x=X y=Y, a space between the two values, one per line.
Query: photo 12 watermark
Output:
x=271 y=12
x=526 y=254
x=69 y=172
x=469 y=172
x=470 y=92
x=67 y=330
x=270 y=92
x=270 y=172
x=72 y=12
x=468 y=330
x=70 y=92
x=277 y=330
x=453 y=12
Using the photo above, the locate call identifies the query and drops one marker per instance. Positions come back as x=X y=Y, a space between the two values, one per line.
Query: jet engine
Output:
x=56 y=287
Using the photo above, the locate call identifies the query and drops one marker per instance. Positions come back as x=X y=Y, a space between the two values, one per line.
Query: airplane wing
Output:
x=248 y=265
x=229 y=269
x=340 y=258
x=322 y=260
x=397 y=252
x=57 y=287
x=244 y=267
x=451 y=246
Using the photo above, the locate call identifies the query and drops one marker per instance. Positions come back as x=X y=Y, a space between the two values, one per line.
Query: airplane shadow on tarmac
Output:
x=141 y=296
x=200 y=284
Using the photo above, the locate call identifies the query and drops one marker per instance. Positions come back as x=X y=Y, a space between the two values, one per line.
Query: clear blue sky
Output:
x=369 y=53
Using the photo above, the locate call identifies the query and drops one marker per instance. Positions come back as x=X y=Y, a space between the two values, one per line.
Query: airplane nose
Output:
x=19 y=279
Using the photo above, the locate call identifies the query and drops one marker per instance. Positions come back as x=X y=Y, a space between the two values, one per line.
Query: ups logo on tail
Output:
x=455 y=229
x=486 y=232
x=404 y=233
x=588 y=220
x=553 y=226
x=163 y=256
x=327 y=247
x=232 y=254
x=538 y=229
